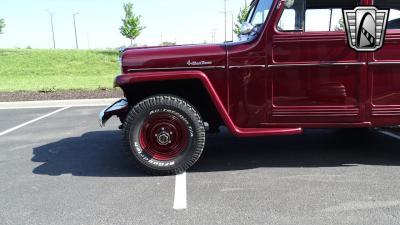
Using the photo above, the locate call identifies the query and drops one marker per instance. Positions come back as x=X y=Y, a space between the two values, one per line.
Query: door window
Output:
x=394 y=14
x=314 y=15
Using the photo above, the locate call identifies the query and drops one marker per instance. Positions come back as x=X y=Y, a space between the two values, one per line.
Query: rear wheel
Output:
x=165 y=135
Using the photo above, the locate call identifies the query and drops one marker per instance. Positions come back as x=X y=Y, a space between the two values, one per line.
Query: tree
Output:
x=2 y=25
x=241 y=17
x=131 y=27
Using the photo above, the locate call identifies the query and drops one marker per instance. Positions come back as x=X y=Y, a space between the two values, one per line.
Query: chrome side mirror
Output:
x=246 y=28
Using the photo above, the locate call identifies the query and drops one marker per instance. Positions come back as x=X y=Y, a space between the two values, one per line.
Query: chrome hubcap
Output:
x=163 y=138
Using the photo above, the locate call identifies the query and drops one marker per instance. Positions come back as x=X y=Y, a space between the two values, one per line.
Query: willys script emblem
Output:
x=198 y=63
x=366 y=27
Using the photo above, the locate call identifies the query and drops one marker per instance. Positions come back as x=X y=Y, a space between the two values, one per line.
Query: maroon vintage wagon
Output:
x=292 y=69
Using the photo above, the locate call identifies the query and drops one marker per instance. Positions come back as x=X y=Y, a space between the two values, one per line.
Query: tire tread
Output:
x=173 y=101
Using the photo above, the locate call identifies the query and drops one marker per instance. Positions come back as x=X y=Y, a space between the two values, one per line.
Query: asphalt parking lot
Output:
x=64 y=169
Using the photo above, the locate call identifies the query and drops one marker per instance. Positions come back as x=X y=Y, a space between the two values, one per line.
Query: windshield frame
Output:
x=252 y=8
x=259 y=28
x=252 y=12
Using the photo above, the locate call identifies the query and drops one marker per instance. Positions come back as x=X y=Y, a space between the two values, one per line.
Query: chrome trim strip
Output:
x=178 y=68
x=315 y=115
x=383 y=63
x=247 y=66
x=315 y=64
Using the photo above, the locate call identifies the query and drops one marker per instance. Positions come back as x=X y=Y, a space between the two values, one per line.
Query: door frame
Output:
x=332 y=117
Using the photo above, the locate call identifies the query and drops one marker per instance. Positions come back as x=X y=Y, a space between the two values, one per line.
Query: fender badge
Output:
x=199 y=63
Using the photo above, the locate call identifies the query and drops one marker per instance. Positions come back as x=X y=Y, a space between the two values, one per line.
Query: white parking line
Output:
x=52 y=107
x=390 y=134
x=180 y=201
x=57 y=103
x=32 y=121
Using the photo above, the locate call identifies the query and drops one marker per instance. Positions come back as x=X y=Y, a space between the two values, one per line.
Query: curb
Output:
x=57 y=103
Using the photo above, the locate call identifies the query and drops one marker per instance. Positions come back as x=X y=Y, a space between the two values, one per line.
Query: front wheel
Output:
x=165 y=135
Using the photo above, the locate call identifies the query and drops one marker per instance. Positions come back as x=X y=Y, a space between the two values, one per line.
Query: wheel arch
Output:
x=192 y=89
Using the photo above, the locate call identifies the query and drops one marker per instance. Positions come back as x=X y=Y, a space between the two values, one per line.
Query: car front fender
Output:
x=133 y=78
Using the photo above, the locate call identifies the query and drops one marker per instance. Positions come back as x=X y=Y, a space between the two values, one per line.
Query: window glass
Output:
x=287 y=21
x=324 y=20
x=318 y=20
x=261 y=12
x=337 y=22
x=394 y=14
x=314 y=15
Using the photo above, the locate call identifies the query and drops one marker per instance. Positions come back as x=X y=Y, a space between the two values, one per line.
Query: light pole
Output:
x=226 y=23
x=225 y=17
x=225 y=12
x=52 y=27
x=233 y=25
x=76 y=35
x=213 y=32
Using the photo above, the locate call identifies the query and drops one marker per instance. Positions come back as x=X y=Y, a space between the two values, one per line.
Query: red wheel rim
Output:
x=163 y=136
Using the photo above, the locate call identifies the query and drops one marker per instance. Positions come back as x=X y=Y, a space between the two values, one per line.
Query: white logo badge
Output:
x=366 y=28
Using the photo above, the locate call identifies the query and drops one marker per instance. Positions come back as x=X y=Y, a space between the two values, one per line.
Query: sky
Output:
x=98 y=22
x=180 y=21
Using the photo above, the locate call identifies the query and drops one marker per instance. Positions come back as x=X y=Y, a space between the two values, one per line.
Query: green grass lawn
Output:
x=50 y=70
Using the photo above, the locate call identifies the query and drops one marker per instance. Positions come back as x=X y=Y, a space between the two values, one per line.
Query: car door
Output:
x=316 y=78
x=384 y=70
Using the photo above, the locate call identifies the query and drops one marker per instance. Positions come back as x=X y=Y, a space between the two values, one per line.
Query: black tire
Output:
x=178 y=109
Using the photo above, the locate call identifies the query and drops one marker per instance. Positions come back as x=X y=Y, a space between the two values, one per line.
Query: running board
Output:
x=252 y=132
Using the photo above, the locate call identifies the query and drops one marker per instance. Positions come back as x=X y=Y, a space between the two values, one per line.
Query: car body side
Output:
x=278 y=83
